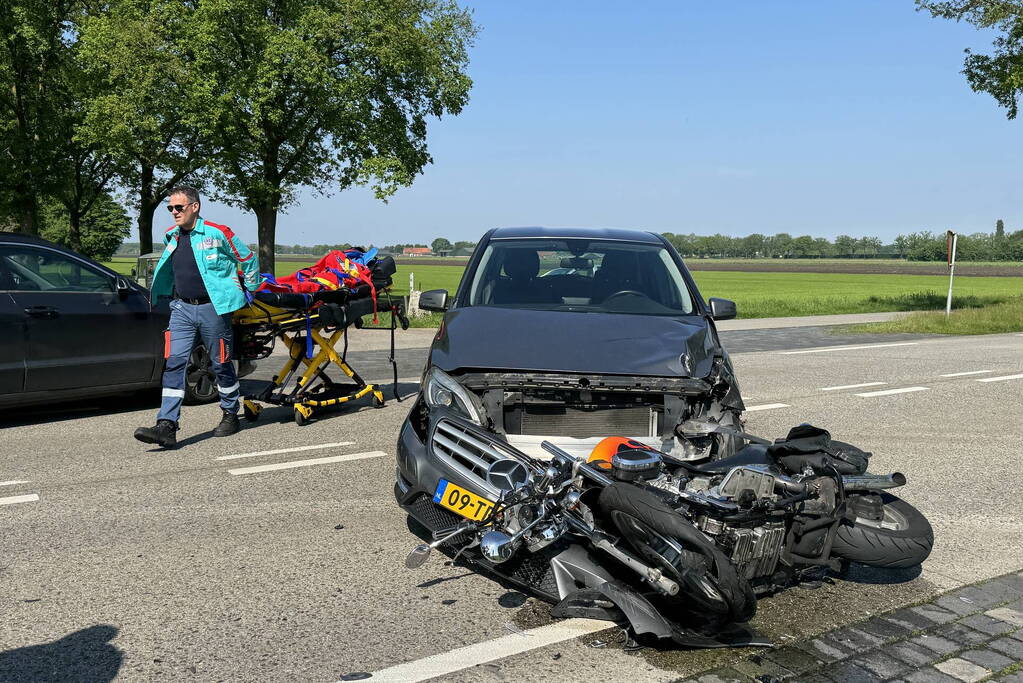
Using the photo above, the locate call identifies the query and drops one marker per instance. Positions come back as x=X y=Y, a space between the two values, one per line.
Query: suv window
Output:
x=30 y=269
x=602 y=276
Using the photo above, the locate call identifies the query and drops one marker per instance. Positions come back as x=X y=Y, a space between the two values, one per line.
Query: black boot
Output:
x=162 y=433
x=228 y=425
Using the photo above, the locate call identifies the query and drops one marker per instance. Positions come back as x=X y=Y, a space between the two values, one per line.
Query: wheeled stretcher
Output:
x=311 y=326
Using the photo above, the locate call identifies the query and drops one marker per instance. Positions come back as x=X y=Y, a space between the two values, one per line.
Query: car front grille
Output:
x=467 y=453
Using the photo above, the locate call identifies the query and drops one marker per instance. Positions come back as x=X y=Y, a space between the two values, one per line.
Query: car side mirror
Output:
x=434 y=300
x=122 y=286
x=721 y=309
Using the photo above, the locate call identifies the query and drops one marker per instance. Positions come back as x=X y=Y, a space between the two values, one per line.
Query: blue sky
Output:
x=806 y=117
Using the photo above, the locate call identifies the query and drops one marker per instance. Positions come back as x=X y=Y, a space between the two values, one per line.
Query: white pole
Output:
x=411 y=282
x=951 y=271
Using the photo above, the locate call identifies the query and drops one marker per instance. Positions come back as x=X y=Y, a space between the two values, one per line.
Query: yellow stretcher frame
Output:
x=290 y=327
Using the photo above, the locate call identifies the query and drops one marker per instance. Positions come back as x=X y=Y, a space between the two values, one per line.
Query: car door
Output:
x=12 y=340
x=79 y=330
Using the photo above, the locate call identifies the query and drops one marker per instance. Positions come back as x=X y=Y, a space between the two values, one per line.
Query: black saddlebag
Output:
x=808 y=445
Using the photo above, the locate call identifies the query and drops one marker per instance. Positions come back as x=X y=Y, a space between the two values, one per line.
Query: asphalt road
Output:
x=139 y=564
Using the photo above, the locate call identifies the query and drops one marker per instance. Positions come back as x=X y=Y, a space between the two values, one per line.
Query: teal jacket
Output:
x=224 y=261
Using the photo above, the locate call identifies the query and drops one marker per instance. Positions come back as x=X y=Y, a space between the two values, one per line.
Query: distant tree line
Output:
x=915 y=246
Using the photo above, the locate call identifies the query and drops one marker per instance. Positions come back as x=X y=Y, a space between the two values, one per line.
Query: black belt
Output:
x=195 y=302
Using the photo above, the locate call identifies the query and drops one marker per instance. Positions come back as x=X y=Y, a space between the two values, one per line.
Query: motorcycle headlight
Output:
x=442 y=391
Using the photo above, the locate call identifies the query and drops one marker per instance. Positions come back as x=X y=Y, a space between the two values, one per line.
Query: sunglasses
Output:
x=178 y=207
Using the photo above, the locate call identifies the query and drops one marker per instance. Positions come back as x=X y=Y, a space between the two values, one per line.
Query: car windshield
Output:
x=601 y=276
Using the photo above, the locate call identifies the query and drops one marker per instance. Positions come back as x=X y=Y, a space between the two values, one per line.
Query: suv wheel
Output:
x=200 y=382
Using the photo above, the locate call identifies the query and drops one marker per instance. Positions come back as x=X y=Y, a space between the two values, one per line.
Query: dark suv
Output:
x=73 y=328
x=569 y=336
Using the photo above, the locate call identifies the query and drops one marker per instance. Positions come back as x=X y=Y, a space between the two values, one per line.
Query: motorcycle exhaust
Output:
x=871 y=482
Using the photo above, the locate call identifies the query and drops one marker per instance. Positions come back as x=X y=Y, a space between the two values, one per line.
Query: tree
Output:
x=845 y=245
x=154 y=109
x=33 y=54
x=440 y=244
x=1001 y=73
x=326 y=94
x=102 y=230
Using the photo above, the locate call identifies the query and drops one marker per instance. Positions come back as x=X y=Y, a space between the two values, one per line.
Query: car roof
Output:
x=21 y=237
x=537 y=232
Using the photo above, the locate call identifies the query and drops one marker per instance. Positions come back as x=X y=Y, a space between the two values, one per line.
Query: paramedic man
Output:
x=204 y=266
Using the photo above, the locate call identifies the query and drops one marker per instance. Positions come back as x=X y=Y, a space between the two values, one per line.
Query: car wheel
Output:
x=200 y=382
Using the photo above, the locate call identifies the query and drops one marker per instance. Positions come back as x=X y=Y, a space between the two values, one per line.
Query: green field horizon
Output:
x=772 y=294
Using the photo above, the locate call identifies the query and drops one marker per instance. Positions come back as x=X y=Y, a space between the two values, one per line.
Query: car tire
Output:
x=200 y=382
x=906 y=544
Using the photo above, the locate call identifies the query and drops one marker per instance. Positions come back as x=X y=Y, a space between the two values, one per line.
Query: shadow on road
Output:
x=859 y=573
x=84 y=656
x=73 y=410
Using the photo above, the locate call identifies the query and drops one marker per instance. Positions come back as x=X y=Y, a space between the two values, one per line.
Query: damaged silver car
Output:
x=567 y=336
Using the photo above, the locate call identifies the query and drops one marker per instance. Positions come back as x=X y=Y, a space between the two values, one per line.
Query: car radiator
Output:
x=584 y=423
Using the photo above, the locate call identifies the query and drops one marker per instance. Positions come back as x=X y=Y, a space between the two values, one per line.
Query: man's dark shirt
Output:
x=188 y=282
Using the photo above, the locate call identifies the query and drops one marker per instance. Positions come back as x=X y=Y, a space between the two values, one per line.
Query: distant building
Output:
x=417 y=251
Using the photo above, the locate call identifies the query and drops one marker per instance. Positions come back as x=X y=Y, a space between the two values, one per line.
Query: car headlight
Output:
x=442 y=391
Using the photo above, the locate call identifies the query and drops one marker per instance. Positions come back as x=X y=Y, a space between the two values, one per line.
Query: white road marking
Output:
x=889 y=392
x=11 y=500
x=963 y=374
x=999 y=379
x=854 y=386
x=845 y=348
x=766 y=406
x=13 y=482
x=446 y=663
x=296 y=449
x=306 y=463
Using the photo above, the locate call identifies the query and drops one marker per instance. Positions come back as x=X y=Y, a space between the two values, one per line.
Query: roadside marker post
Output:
x=951 y=238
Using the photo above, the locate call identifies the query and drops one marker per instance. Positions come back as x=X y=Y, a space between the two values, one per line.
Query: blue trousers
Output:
x=186 y=322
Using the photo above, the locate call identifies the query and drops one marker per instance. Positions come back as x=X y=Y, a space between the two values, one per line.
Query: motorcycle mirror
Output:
x=417 y=558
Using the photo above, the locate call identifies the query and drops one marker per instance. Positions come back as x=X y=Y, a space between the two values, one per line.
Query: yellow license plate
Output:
x=462 y=502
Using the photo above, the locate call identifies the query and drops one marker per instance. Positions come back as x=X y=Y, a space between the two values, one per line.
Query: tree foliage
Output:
x=999 y=74
x=102 y=229
x=326 y=94
x=153 y=109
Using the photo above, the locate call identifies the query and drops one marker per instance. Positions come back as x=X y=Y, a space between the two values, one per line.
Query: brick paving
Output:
x=971 y=634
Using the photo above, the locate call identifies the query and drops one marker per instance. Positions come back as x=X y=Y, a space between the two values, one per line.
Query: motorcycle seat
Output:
x=753 y=454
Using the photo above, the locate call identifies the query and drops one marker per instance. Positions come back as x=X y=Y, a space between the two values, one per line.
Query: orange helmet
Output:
x=602 y=453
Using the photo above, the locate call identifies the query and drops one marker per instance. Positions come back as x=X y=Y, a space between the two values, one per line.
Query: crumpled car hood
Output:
x=482 y=337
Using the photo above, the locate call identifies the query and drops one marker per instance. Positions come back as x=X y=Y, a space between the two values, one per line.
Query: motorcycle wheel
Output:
x=901 y=538
x=709 y=584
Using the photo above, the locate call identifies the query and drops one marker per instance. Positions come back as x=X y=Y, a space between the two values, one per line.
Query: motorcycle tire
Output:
x=709 y=584
x=902 y=538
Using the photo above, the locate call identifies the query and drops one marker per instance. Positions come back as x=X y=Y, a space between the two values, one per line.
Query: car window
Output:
x=41 y=270
x=604 y=276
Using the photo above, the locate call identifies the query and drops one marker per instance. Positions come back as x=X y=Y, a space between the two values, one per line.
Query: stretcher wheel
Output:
x=302 y=415
x=251 y=412
x=378 y=400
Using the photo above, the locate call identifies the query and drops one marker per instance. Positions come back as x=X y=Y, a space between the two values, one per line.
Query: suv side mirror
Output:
x=434 y=300
x=721 y=309
x=122 y=286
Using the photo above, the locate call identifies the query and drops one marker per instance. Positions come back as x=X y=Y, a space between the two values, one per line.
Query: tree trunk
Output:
x=147 y=205
x=74 y=236
x=28 y=211
x=266 y=220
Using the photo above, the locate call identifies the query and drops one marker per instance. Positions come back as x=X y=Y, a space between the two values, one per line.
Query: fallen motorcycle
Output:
x=667 y=547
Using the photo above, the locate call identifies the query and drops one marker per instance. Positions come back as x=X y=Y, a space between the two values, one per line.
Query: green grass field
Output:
x=773 y=294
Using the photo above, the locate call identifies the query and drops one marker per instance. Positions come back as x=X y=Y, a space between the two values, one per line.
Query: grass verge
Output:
x=1006 y=316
